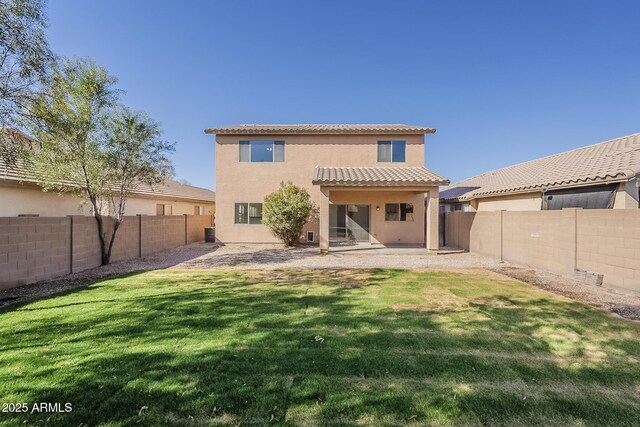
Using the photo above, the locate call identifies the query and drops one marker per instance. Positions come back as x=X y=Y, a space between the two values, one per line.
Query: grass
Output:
x=319 y=348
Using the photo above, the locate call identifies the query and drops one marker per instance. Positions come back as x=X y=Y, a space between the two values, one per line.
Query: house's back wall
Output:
x=251 y=182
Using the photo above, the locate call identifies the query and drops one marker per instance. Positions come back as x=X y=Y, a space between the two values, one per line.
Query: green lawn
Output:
x=318 y=348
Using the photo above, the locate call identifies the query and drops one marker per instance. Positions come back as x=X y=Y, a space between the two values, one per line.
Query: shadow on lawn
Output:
x=260 y=348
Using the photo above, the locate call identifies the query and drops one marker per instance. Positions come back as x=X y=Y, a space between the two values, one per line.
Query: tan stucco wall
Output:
x=516 y=202
x=604 y=241
x=42 y=248
x=626 y=196
x=136 y=206
x=26 y=200
x=251 y=182
x=19 y=199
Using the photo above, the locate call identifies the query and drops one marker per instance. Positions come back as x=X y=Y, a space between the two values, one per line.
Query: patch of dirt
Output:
x=623 y=304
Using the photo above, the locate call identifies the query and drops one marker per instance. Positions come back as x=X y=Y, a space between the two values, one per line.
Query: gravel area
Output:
x=204 y=256
x=271 y=257
x=620 y=302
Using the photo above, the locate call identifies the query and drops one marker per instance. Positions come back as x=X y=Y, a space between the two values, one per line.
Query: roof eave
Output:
x=622 y=177
x=379 y=184
x=222 y=131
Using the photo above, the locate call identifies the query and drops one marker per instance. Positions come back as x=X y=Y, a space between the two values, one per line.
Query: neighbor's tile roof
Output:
x=316 y=129
x=170 y=189
x=610 y=161
x=177 y=190
x=378 y=176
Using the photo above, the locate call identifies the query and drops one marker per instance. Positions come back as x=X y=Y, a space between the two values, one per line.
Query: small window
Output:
x=162 y=209
x=255 y=213
x=309 y=236
x=241 y=216
x=198 y=210
x=261 y=151
x=391 y=212
x=398 y=212
x=248 y=213
x=392 y=151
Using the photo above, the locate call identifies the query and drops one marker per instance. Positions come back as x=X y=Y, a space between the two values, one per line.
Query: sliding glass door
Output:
x=349 y=222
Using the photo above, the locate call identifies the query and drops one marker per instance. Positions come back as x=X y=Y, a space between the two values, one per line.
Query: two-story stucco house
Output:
x=368 y=182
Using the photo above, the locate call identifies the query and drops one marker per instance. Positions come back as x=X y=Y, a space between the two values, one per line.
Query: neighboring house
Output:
x=598 y=176
x=367 y=182
x=20 y=195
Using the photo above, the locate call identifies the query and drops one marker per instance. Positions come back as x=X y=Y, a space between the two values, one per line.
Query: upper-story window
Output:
x=262 y=151
x=392 y=151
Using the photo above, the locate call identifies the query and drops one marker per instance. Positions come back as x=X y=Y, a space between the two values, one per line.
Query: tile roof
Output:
x=615 y=160
x=170 y=188
x=317 y=129
x=377 y=176
x=174 y=189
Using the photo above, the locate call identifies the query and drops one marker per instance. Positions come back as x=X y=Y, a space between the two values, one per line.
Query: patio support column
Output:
x=324 y=220
x=433 y=208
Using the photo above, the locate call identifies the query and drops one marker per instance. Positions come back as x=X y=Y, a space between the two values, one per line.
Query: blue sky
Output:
x=502 y=81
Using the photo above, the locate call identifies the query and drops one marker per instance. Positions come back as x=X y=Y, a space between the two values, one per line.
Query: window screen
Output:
x=245 y=151
x=248 y=213
x=592 y=197
x=278 y=151
x=398 y=212
x=384 y=151
x=261 y=151
x=391 y=212
x=241 y=214
x=255 y=213
x=392 y=151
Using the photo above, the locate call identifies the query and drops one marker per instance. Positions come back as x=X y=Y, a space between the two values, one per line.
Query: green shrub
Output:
x=286 y=211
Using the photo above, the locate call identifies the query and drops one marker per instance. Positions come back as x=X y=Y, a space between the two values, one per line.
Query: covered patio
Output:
x=378 y=206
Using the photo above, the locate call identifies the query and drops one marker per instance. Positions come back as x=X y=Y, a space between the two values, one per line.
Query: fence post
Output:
x=575 y=239
x=502 y=235
x=185 y=229
x=139 y=236
x=70 y=244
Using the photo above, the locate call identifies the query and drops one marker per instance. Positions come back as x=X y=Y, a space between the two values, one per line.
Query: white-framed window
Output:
x=398 y=212
x=392 y=151
x=198 y=210
x=248 y=213
x=261 y=151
